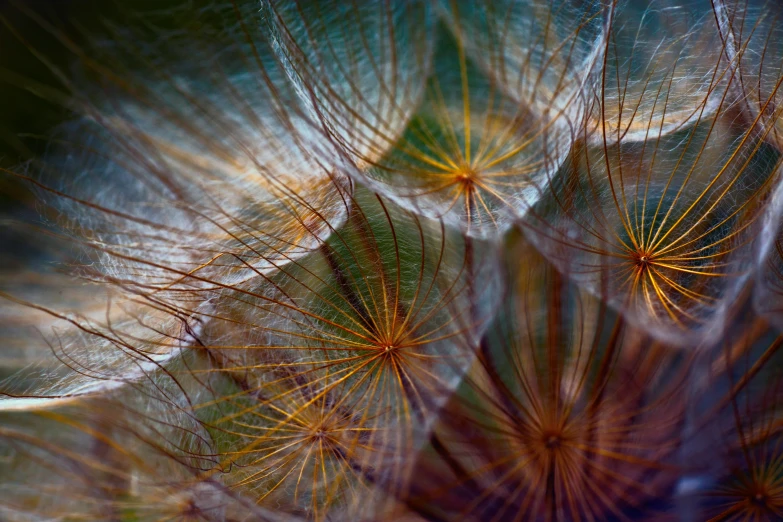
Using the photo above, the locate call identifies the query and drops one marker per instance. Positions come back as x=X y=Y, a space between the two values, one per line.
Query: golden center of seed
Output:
x=642 y=259
x=552 y=441
x=319 y=433
x=389 y=349
x=760 y=498
x=466 y=176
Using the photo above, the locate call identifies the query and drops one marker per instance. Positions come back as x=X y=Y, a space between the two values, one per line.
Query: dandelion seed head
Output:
x=400 y=260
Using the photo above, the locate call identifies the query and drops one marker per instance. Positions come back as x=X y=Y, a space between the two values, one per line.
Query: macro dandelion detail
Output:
x=423 y=260
x=569 y=413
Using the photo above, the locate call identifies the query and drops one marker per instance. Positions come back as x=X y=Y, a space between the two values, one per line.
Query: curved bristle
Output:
x=392 y=260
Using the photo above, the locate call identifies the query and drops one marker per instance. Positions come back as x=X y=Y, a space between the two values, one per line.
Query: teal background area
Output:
x=32 y=97
x=27 y=111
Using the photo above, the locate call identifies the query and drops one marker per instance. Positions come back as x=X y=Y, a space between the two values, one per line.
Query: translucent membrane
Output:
x=358 y=66
x=539 y=53
x=179 y=224
x=768 y=294
x=752 y=33
x=192 y=210
x=65 y=340
x=564 y=400
x=179 y=183
x=77 y=355
x=662 y=229
x=132 y=454
x=663 y=69
x=342 y=360
x=470 y=154
x=734 y=450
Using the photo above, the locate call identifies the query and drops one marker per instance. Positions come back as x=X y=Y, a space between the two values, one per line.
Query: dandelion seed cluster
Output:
x=410 y=260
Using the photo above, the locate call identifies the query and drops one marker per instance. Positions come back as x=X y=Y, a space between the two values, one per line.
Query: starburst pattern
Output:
x=557 y=422
x=345 y=357
x=741 y=444
x=663 y=229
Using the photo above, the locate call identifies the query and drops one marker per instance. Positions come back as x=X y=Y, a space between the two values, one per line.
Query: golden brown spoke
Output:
x=425 y=338
x=298 y=432
x=348 y=372
x=642 y=238
x=518 y=148
x=486 y=208
x=261 y=475
x=492 y=177
x=271 y=366
x=602 y=495
x=509 y=500
x=680 y=268
x=718 y=176
x=602 y=222
x=692 y=256
x=442 y=113
x=662 y=298
x=249 y=294
x=487 y=491
x=665 y=299
x=735 y=232
x=445 y=303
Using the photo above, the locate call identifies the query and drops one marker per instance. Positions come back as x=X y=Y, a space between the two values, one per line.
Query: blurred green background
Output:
x=28 y=86
x=32 y=98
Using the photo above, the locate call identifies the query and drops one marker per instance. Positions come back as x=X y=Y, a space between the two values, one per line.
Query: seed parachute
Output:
x=391 y=260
